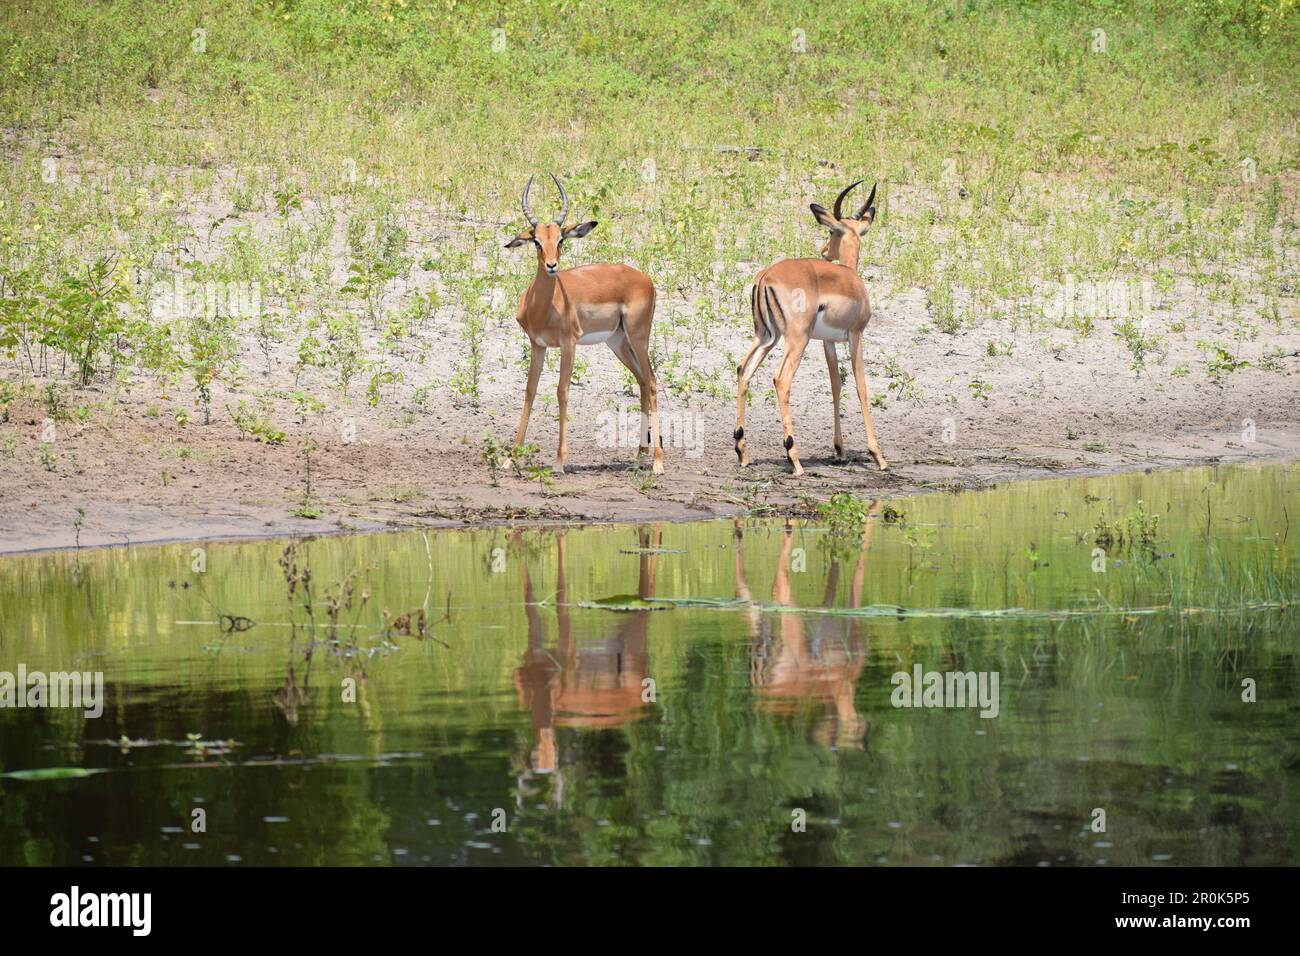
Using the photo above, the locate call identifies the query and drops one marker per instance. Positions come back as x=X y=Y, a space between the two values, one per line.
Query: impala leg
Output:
x=795 y=345
x=621 y=347
x=833 y=367
x=535 y=364
x=873 y=446
x=753 y=359
x=567 y=351
x=642 y=354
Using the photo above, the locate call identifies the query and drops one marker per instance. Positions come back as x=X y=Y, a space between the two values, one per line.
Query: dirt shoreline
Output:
x=132 y=451
x=212 y=498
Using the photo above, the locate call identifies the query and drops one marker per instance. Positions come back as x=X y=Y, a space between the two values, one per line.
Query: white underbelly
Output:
x=823 y=331
x=595 y=338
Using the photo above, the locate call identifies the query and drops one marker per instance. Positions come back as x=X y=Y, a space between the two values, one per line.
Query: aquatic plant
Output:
x=1138 y=531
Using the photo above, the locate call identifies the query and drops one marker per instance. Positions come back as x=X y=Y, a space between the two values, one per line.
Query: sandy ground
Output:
x=1000 y=400
x=142 y=477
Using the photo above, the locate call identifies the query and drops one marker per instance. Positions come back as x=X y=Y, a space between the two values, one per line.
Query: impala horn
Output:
x=528 y=213
x=869 y=205
x=839 y=200
x=564 y=201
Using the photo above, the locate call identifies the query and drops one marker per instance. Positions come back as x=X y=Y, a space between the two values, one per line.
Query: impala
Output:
x=587 y=305
x=813 y=299
x=797 y=660
x=593 y=682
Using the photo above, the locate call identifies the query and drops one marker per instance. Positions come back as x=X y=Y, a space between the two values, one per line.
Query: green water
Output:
x=687 y=734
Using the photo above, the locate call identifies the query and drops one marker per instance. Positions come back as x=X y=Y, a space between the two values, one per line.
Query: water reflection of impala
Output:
x=796 y=660
x=588 y=683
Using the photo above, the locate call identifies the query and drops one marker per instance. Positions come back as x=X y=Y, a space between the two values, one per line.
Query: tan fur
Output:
x=804 y=300
x=612 y=303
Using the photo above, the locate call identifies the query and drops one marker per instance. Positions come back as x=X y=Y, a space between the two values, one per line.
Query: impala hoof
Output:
x=657 y=467
x=557 y=468
x=793 y=456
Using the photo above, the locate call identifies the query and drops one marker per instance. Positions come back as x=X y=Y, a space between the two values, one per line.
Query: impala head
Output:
x=846 y=231
x=548 y=237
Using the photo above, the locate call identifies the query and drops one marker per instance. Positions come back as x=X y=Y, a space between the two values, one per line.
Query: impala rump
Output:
x=812 y=300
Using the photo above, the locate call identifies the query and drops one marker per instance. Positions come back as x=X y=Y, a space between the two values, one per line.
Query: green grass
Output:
x=1011 y=149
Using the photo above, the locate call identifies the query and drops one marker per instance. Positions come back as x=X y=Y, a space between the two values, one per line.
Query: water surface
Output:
x=693 y=730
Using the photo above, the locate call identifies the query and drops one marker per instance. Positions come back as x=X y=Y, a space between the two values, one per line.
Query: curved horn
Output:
x=564 y=201
x=528 y=213
x=839 y=200
x=868 y=204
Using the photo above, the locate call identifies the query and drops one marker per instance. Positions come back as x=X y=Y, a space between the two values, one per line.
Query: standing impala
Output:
x=587 y=305
x=805 y=299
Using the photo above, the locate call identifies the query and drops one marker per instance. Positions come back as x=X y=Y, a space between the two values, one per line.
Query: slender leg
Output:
x=795 y=345
x=642 y=352
x=565 y=635
x=621 y=347
x=764 y=340
x=833 y=367
x=757 y=353
x=536 y=362
x=567 y=351
x=873 y=446
x=781 y=593
x=860 y=572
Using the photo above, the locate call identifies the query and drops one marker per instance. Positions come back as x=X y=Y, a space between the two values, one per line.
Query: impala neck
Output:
x=837 y=254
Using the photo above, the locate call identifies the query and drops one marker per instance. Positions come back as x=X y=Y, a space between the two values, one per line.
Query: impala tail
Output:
x=769 y=314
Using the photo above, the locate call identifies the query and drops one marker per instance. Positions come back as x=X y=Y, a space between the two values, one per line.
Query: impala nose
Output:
x=550 y=267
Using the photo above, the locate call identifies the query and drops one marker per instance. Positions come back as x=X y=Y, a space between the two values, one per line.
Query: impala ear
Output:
x=580 y=230
x=826 y=219
x=520 y=239
x=868 y=219
x=868 y=210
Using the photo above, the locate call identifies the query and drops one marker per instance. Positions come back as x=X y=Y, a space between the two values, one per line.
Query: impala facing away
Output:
x=804 y=299
x=587 y=305
x=797 y=660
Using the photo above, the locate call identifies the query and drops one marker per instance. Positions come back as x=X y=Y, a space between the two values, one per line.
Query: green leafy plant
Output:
x=1220 y=361
x=1138 y=532
x=844 y=513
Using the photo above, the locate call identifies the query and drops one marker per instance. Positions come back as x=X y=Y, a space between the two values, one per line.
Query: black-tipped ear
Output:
x=580 y=230
x=825 y=218
x=868 y=210
x=518 y=241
